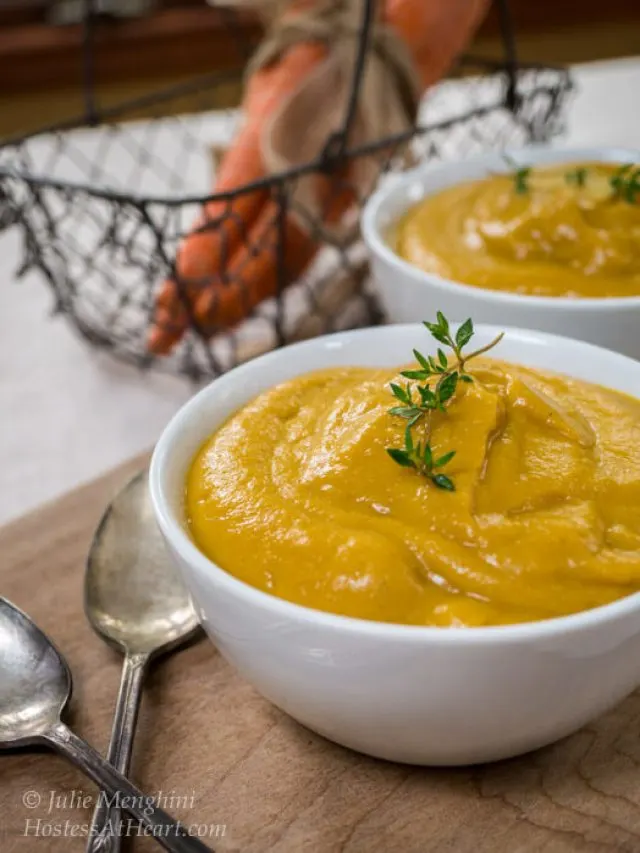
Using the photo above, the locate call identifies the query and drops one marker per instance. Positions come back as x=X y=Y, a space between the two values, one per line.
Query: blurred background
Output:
x=97 y=264
x=146 y=44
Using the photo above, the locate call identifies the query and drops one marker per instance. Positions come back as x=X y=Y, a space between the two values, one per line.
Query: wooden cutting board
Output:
x=236 y=765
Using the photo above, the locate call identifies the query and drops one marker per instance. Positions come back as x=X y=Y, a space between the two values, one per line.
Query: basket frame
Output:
x=334 y=155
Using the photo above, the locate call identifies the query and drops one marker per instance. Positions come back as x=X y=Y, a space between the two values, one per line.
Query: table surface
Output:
x=68 y=413
x=232 y=760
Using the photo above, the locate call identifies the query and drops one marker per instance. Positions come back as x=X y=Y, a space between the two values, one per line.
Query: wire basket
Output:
x=103 y=203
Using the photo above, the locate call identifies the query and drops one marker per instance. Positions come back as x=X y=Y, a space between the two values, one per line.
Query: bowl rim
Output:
x=426 y=171
x=280 y=608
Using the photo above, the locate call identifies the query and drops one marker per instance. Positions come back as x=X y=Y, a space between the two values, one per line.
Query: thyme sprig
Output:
x=421 y=398
x=577 y=177
x=520 y=175
x=625 y=183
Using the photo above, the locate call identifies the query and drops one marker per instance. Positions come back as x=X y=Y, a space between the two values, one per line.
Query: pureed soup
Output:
x=566 y=230
x=305 y=493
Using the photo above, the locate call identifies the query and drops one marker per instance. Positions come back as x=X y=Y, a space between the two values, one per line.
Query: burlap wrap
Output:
x=296 y=133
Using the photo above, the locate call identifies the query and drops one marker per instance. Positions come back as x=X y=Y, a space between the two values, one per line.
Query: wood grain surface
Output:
x=236 y=762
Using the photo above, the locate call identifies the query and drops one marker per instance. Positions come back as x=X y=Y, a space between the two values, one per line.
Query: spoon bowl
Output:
x=134 y=597
x=35 y=682
x=135 y=600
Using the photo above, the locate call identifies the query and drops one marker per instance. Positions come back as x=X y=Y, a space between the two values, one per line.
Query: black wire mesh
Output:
x=102 y=210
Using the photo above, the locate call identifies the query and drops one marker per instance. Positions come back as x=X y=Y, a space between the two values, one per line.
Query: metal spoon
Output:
x=135 y=600
x=35 y=686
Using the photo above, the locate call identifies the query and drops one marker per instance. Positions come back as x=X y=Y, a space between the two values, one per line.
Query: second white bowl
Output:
x=408 y=293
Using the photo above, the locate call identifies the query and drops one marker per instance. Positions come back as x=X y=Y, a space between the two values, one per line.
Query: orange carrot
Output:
x=203 y=253
x=435 y=31
x=222 y=279
x=253 y=272
x=250 y=277
x=243 y=163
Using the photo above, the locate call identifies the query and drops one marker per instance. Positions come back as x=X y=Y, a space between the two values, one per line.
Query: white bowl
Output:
x=408 y=293
x=406 y=693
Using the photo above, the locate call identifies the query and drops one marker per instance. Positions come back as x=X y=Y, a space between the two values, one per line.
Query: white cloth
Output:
x=68 y=413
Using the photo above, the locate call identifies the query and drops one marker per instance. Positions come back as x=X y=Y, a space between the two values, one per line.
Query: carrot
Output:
x=435 y=31
x=253 y=273
x=250 y=277
x=203 y=253
x=243 y=163
x=223 y=275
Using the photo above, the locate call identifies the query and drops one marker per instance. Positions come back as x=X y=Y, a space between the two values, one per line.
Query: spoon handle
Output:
x=159 y=825
x=106 y=834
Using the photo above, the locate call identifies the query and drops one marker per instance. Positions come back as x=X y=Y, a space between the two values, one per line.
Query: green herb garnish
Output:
x=521 y=180
x=419 y=400
x=577 y=177
x=520 y=175
x=625 y=183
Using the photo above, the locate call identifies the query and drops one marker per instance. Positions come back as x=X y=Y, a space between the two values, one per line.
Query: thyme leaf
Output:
x=625 y=183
